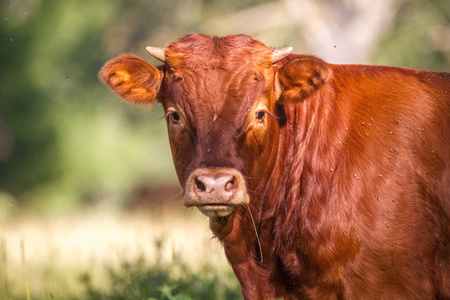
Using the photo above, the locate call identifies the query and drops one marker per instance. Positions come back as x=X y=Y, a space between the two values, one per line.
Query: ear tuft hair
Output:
x=302 y=77
x=132 y=78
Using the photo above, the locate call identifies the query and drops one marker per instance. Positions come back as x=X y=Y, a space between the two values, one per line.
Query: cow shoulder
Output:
x=301 y=77
x=132 y=78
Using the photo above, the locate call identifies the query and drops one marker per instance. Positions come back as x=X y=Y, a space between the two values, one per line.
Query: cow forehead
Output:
x=197 y=51
x=212 y=77
x=215 y=103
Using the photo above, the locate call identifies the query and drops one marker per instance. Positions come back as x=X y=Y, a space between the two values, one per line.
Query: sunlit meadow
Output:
x=163 y=253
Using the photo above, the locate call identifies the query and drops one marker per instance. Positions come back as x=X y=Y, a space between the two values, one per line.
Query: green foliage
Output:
x=419 y=38
x=177 y=280
x=135 y=281
x=64 y=138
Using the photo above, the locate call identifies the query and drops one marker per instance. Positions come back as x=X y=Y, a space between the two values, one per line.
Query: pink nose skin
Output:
x=215 y=191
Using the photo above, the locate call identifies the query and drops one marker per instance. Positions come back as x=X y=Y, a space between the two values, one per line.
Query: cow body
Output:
x=322 y=181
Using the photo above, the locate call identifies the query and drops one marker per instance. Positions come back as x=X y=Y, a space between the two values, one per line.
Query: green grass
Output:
x=167 y=254
x=135 y=280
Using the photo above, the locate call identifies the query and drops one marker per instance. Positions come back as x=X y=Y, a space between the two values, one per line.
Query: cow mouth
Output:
x=216 y=210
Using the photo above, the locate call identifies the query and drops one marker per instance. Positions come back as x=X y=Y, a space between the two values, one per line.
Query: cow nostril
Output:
x=230 y=185
x=200 y=185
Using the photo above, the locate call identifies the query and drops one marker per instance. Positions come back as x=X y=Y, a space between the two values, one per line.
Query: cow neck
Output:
x=292 y=204
x=276 y=201
x=285 y=205
x=238 y=235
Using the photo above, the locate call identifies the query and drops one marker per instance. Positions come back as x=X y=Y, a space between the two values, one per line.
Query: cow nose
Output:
x=209 y=183
x=215 y=191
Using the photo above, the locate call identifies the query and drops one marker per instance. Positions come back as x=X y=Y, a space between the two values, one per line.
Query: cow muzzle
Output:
x=215 y=191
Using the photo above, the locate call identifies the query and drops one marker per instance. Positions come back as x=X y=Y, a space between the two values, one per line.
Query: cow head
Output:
x=220 y=101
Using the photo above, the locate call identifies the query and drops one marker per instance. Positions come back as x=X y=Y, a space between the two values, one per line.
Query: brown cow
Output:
x=322 y=181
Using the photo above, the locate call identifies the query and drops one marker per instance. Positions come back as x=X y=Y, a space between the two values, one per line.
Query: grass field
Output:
x=164 y=253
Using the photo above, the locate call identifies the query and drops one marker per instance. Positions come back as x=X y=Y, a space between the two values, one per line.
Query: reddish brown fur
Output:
x=349 y=177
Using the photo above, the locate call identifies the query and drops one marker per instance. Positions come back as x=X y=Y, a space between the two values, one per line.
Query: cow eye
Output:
x=175 y=117
x=260 y=115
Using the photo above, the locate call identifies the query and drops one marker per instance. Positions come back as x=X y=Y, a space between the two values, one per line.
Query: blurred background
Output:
x=89 y=201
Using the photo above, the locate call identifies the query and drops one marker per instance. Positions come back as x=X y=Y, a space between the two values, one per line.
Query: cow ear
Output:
x=302 y=77
x=132 y=78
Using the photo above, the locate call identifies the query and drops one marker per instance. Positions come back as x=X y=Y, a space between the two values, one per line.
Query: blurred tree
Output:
x=53 y=111
x=28 y=136
x=420 y=37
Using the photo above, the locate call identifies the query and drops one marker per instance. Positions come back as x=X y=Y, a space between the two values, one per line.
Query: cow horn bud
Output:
x=157 y=53
x=280 y=53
